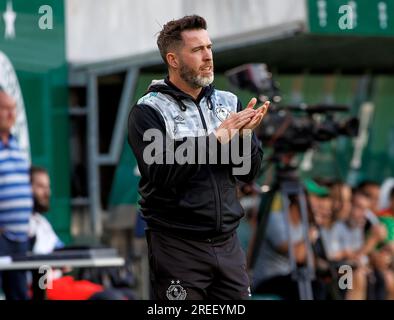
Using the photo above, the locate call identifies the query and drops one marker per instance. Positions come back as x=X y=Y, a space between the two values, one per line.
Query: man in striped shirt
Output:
x=15 y=200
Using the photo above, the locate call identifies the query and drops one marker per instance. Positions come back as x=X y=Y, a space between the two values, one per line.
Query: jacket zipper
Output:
x=215 y=186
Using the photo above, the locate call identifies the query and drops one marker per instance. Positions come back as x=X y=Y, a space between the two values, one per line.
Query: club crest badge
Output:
x=175 y=291
x=222 y=113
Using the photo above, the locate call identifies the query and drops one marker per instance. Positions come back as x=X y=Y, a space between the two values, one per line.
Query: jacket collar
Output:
x=167 y=87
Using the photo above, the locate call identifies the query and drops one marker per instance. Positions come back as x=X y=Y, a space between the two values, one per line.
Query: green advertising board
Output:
x=33 y=69
x=355 y=17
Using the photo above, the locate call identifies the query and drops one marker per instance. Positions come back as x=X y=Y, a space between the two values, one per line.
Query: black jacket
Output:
x=194 y=200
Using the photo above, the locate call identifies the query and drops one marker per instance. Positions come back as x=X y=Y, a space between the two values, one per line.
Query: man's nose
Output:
x=207 y=54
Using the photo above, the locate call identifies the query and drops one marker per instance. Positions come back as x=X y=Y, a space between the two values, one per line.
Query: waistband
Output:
x=180 y=235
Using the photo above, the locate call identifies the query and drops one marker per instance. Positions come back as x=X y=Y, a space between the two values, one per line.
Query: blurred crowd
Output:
x=350 y=237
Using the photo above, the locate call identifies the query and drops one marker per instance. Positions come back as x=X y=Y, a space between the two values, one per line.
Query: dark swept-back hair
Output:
x=170 y=36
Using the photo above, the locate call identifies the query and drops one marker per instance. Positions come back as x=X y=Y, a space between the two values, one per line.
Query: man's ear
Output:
x=172 y=60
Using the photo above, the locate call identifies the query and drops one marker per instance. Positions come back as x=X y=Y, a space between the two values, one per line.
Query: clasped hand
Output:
x=242 y=122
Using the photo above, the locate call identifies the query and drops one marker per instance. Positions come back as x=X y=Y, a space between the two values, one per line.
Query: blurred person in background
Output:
x=381 y=284
x=360 y=245
x=43 y=238
x=191 y=209
x=341 y=195
x=16 y=202
x=386 y=217
x=272 y=273
x=372 y=190
x=330 y=248
x=331 y=231
x=382 y=257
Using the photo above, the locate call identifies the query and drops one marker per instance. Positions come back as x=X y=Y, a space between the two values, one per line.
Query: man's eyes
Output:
x=201 y=48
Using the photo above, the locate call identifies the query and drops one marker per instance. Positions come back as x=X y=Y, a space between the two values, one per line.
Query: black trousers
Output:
x=196 y=270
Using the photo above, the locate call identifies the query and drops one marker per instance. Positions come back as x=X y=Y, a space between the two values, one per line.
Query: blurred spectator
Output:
x=381 y=280
x=386 y=216
x=272 y=272
x=356 y=241
x=44 y=241
x=42 y=236
x=382 y=258
x=329 y=247
x=315 y=194
x=359 y=245
x=341 y=195
x=15 y=200
x=372 y=190
x=331 y=231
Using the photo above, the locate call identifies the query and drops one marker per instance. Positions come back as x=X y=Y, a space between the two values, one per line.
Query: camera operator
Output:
x=272 y=272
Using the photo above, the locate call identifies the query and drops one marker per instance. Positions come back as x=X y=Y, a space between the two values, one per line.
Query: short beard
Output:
x=40 y=207
x=194 y=80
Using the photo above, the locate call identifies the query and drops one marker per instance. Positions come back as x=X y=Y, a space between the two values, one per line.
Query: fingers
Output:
x=243 y=113
x=247 y=112
x=266 y=105
x=248 y=116
x=251 y=103
x=235 y=118
x=264 y=108
x=255 y=121
x=235 y=122
x=260 y=114
x=242 y=123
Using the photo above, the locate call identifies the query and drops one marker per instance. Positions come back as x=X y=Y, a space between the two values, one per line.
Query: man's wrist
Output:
x=222 y=135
